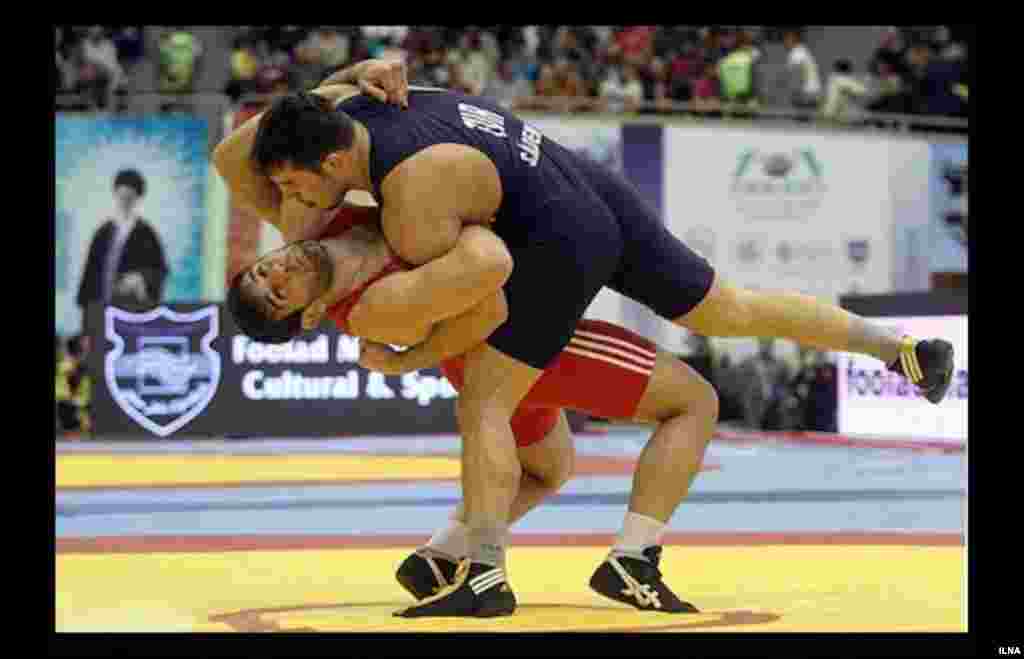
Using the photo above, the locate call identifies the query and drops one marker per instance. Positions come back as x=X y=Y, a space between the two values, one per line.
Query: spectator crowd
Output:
x=73 y=400
x=620 y=68
x=764 y=392
x=579 y=68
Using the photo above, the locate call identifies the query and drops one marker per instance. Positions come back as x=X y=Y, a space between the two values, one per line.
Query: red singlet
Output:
x=603 y=372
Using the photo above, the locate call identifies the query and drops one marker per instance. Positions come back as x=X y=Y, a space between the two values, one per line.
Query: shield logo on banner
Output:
x=859 y=251
x=162 y=370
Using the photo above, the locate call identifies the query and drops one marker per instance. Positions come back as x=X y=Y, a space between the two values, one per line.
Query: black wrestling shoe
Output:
x=477 y=591
x=425 y=572
x=928 y=365
x=637 y=582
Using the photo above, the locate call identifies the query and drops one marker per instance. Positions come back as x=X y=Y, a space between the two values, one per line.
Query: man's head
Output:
x=791 y=38
x=305 y=147
x=129 y=187
x=919 y=54
x=267 y=298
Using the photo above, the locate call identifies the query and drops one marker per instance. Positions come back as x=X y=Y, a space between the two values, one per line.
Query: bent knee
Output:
x=676 y=389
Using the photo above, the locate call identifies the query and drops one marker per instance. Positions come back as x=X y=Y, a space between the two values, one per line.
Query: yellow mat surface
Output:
x=150 y=470
x=794 y=588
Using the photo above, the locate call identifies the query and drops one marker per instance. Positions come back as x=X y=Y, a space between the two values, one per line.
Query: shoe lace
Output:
x=641 y=592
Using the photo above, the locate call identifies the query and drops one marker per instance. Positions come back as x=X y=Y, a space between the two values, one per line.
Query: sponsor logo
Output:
x=859 y=252
x=778 y=185
x=163 y=370
x=748 y=251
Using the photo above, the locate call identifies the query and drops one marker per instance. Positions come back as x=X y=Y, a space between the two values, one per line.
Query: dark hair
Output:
x=133 y=179
x=843 y=65
x=253 y=321
x=301 y=128
x=74 y=346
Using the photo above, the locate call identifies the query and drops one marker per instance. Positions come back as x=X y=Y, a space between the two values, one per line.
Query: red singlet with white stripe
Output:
x=604 y=371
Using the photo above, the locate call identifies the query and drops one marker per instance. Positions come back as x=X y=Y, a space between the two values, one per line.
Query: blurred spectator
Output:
x=66 y=72
x=669 y=39
x=766 y=379
x=736 y=72
x=274 y=76
x=432 y=70
x=685 y=67
x=559 y=86
x=730 y=383
x=476 y=66
x=283 y=38
x=180 y=53
x=74 y=387
x=574 y=44
x=245 y=64
x=844 y=94
x=934 y=82
x=131 y=45
x=814 y=387
x=508 y=85
x=621 y=89
x=636 y=43
x=706 y=96
x=802 y=68
x=658 y=85
x=126 y=263
x=892 y=72
x=101 y=73
x=324 y=51
x=700 y=357
x=381 y=38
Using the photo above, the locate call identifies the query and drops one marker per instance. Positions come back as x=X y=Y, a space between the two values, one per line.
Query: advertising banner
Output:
x=799 y=211
x=130 y=210
x=876 y=402
x=934 y=237
x=184 y=369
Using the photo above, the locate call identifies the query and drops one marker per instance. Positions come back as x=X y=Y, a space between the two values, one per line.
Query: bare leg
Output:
x=687 y=408
x=547 y=465
x=494 y=386
x=731 y=311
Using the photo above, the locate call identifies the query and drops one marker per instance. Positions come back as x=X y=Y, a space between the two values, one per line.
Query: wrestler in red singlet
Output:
x=603 y=371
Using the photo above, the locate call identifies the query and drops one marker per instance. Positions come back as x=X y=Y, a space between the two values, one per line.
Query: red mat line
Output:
x=225 y=543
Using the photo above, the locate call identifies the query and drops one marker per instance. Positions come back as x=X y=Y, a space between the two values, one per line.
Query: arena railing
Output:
x=598 y=107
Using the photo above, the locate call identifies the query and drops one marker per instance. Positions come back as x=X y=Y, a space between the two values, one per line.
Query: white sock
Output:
x=638 y=532
x=451 y=540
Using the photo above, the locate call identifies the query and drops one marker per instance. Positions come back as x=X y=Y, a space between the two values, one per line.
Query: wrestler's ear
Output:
x=335 y=162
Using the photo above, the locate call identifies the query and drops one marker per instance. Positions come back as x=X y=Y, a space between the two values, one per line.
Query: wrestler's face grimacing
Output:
x=289 y=279
x=312 y=189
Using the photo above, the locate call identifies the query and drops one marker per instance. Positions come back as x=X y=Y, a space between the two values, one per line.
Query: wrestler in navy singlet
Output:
x=571 y=225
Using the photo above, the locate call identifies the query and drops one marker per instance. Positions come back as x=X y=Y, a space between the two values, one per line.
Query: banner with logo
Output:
x=163 y=158
x=185 y=370
x=799 y=211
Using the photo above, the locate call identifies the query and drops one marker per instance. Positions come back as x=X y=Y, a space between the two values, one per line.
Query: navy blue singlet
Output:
x=571 y=225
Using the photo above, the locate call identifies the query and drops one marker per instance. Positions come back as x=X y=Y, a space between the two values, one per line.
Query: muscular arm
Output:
x=410 y=302
x=427 y=201
x=449 y=338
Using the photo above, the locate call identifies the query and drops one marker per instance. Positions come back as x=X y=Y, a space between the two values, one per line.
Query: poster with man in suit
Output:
x=131 y=210
x=126 y=264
